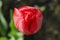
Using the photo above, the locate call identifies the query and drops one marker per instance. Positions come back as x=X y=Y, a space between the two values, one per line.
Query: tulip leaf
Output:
x=12 y=26
x=3 y=38
x=42 y=7
x=3 y=24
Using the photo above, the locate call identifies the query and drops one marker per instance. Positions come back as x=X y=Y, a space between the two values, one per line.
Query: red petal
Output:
x=28 y=19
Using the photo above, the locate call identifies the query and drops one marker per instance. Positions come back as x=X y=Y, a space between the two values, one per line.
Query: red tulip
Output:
x=28 y=19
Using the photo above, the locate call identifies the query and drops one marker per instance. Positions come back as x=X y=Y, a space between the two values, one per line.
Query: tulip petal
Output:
x=28 y=19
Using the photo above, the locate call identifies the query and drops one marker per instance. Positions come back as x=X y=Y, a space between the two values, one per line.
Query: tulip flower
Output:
x=27 y=19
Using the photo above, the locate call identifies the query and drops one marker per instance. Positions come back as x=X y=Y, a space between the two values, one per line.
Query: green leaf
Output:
x=12 y=26
x=3 y=24
x=3 y=38
x=42 y=7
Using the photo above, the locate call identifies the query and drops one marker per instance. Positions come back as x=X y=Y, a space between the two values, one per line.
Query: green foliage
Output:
x=42 y=7
x=3 y=38
x=14 y=34
x=3 y=24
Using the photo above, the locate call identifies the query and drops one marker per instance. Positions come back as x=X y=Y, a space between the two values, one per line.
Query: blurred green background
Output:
x=13 y=34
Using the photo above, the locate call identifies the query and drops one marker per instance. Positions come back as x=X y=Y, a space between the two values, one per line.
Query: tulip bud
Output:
x=28 y=20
